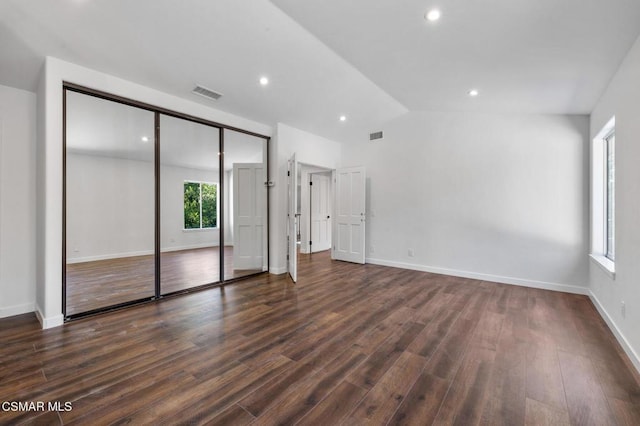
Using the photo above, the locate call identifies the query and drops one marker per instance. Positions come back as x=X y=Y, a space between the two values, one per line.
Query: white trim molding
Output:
x=142 y=253
x=277 y=270
x=633 y=356
x=566 y=288
x=9 y=311
x=50 y=322
x=605 y=264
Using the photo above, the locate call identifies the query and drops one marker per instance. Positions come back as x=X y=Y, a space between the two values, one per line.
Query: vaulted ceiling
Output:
x=368 y=60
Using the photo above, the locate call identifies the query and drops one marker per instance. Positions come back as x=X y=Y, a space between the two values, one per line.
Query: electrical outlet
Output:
x=623 y=310
x=410 y=252
x=372 y=249
x=76 y=250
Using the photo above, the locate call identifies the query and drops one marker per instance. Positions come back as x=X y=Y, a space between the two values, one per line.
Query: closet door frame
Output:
x=66 y=87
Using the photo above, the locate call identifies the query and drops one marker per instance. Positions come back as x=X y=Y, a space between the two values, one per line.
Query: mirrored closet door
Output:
x=190 y=216
x=156 y=202
x=109 y=203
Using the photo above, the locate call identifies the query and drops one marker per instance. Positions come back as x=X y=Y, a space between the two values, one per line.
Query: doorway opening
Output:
x=346 y=200
x=310 y=212
x=315 y=208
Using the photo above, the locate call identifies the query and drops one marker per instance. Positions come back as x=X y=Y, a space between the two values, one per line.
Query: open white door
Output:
x=249 y=219
x=292 y=217
x=348 y=241
x=320 y=212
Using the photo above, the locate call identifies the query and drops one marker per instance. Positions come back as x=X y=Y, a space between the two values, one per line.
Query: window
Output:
x=200 y=205
x=603 y=198
x=610 y=225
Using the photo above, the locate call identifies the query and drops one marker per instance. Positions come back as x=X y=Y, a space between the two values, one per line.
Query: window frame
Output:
x=610 y=192
x=603 y=199
x=200 y=183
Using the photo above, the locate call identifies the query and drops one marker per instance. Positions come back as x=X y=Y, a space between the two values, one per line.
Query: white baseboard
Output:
x=138 y=253
x=49 y=322
x=633 y=356
x=190 y=247
x=277 y=270
x=566 y=288
x=9 y=311
x=109 y=256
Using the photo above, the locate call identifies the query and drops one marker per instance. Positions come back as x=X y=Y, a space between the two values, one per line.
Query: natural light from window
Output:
x=200 y=205
x=603 y=180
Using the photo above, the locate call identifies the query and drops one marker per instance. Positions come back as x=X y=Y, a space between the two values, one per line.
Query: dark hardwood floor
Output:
x=349 y=344
x=102 y=283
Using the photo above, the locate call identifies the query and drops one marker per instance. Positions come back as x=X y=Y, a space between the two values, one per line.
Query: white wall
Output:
x=49 y=148
x=17 y=201
x=309 y=149
x=622 y=100
x=495 y=197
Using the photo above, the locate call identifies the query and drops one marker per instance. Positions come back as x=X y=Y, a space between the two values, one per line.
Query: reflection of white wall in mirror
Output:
x=117 y=220
x=109 y=207
x=242 y=148
x=188 y=144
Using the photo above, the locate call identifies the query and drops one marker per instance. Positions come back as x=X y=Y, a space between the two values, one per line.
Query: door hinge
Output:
x=310 y=183
x=310 y=242
x=287 y=257
x=288 y=173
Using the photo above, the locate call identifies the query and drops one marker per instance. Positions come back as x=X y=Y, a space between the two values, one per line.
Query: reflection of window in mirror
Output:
x=200 y=205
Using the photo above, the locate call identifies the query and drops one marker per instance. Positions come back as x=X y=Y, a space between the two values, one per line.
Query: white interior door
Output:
x=292 y=217
x=348 y=241
x=249 y=219
x=320 y=212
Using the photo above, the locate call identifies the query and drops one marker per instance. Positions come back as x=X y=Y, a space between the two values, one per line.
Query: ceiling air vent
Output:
x=207 y=93
x=376 y=135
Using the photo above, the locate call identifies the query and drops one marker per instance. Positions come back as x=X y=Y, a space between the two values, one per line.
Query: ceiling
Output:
x=529 y=56
x=369 y=60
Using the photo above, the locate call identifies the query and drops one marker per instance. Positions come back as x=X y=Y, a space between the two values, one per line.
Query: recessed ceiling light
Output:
x=264 y=81
x=144 y=139
x=343 y=118
x=432 y=15
x=473 y=93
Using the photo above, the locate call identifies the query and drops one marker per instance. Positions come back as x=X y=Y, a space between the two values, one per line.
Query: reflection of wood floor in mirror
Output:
x=102 y=283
